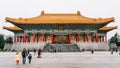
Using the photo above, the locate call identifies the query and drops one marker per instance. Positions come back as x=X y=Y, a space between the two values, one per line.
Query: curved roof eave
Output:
x=12 y=28
x=88 y=21
x=108 y=28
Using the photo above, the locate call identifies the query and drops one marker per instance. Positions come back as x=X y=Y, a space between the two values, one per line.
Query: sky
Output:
x=33 y=8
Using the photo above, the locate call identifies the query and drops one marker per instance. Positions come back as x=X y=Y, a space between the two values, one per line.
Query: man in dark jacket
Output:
x=24 y=55
x=39 y=53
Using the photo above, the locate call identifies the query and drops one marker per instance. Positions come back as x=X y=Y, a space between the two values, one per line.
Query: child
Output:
x=29 y=58
x=17 y=57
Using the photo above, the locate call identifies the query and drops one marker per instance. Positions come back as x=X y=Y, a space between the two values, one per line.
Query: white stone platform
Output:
x=102 y=46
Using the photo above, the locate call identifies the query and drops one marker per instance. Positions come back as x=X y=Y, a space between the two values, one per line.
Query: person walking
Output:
x=34 y=51
x=24 y=55
x=111 y=51
x=39 y=53
x=28 y=51
x=92 y=51
x=17 y=57
x=29 y=58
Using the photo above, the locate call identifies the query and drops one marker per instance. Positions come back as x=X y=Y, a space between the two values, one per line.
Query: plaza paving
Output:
x=64 y=60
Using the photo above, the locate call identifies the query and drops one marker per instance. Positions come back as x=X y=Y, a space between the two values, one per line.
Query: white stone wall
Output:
x=95 y=46
x=87 y=46
x=19 y=46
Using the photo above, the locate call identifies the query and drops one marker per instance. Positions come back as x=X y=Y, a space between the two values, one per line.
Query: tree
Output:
x=2 y=42
x=9 y=40
x=115 y=39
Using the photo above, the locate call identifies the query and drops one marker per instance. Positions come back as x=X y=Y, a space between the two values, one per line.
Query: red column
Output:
x=24 y=37
x=96 y=37
x=28 y=38
x=37 y=37
x=34 y=37
x=18 y=39
x=52 y=36
x=86 y=37
x=43 y=37
x=69 y=41
x=78 y=38
x=15 y=38
x=92 y=38
x=102 y=38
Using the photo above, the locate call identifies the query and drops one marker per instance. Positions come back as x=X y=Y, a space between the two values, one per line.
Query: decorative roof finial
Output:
x=42 y=13
x=78 y=13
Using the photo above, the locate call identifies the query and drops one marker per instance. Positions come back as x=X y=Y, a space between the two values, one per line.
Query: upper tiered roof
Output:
x=45 y=18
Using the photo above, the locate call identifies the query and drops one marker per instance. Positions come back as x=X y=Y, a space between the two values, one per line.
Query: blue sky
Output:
x=32 y=8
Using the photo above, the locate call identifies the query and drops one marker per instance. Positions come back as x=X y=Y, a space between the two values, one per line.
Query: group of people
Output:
x=26 y=53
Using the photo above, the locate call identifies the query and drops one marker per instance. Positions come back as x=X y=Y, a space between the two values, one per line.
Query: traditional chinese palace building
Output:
x=61 y=29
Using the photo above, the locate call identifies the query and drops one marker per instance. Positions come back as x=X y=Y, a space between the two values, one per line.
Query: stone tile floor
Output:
x=100 y=59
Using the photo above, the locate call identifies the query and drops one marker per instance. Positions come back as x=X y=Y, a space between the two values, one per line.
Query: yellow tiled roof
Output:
x=108 y=28
x=60 y=19
x=12 y=28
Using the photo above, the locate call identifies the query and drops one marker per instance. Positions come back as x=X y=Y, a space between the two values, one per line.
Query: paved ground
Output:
x=64 y=60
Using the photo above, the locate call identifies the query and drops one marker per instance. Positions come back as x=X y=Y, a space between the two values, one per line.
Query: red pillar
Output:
x=34 y=37
x=78 y=38
x=96 y=37
x=52 y=36
x=43 y=37
x=24 y=37
x=102 y=38
x=18 y=39
x=28 y=38
x=69 y=41
x=92 y=38
x=37 y=37
x=86 y=37
x=15 y=38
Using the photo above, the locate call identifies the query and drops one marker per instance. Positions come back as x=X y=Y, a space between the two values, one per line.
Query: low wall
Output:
x=31 y=46
x=95 y=46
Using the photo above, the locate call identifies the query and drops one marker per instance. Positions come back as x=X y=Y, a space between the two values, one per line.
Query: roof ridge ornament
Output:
x=78 y=13
x=42 y=13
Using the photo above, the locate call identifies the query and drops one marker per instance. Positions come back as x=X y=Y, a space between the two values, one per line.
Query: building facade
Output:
x=60 y=29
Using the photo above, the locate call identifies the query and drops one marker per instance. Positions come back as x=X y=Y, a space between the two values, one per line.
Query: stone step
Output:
x=61 y=48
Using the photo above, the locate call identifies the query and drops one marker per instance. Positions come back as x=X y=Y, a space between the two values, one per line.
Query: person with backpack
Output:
x=24 y=55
